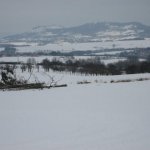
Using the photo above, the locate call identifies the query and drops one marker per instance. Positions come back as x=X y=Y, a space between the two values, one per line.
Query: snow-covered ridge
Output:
x=92 y=36
x=43 y=28
x=84 y=33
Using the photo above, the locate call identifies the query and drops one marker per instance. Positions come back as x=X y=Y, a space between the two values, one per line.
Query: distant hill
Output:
x=90 y=32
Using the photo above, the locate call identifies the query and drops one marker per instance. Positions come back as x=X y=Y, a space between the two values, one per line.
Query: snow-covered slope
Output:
x=69 y=47
x=91 y=117
x=91 y=36
x=85 y=33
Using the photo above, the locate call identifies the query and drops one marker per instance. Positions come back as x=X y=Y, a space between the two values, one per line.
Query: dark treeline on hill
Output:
x=96 y=67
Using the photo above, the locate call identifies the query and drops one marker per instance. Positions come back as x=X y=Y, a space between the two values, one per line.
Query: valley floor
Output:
x=79 y=117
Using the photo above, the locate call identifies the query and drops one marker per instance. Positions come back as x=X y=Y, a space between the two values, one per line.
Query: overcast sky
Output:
x=22 y=15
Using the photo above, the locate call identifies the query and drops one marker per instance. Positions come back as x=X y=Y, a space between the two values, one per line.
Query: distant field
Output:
x=68 y=47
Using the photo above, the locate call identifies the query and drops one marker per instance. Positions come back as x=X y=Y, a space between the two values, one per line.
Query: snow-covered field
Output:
x=41 y=58
x=1 y=49
x=106 y=116
x=67 y=47
x=72 y=79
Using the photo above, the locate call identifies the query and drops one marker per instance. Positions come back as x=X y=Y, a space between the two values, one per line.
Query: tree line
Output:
x=96 y=67
x=91 y=66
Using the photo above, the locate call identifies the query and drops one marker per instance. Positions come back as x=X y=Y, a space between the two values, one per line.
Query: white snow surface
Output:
x=1 y=49
x=67 y=47
x=112 y=116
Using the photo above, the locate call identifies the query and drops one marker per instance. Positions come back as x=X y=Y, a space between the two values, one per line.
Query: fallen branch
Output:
x=29 y=86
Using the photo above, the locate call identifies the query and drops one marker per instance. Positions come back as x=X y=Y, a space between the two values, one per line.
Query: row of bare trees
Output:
x=91 y=65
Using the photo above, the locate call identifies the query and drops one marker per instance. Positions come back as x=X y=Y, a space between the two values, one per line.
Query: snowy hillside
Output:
x=98 y=46
x=87 y=37
x=91 y=32
x=109 y=116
